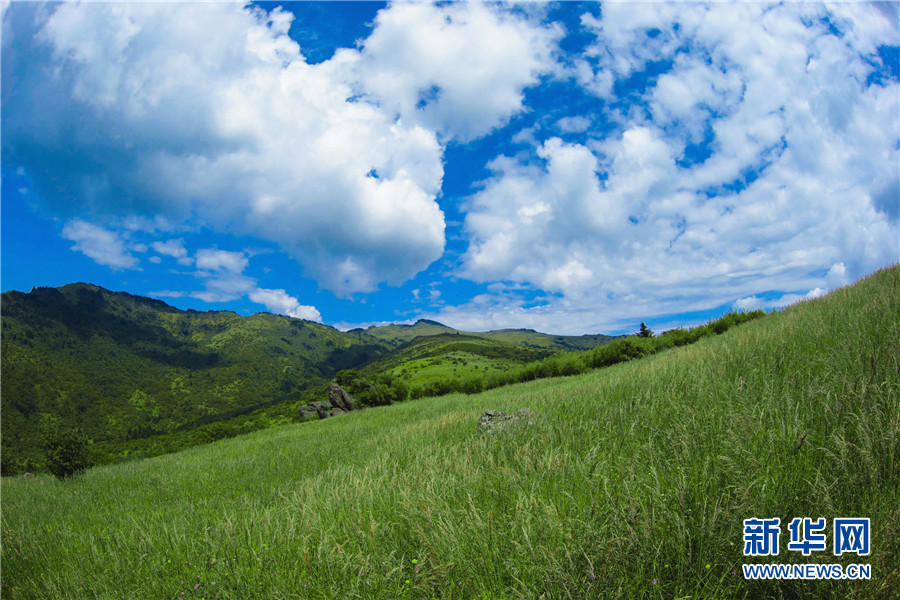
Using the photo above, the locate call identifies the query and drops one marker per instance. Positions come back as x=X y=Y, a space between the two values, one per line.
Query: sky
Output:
x=566 y=167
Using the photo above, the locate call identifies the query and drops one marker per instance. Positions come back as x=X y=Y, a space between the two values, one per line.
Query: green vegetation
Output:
x=133 y=372
x=645 y=331
x=397 y=335
x=454 y=363
x=632 y=484
x=445 y=363
x=66 y=452
x=141 y=378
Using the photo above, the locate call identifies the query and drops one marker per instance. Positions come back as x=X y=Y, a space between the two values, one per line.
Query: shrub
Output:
x=66 y=452
x=378 y=394
x=677 y=337
x=723 y=324
x=400 y=390
x=346 y=378
x=569 y=363
x=471 y=385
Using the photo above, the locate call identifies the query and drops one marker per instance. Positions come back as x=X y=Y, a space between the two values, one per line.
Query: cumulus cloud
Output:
x=458 y=69
x=781 y=301
x=280 y=302
x=210 y=259
x=102 y=245
x=222 y=273
x=209 y=113
x=574 y=124
x=174 y=249
x=716 y=153
x=748 y=303
x=757 y=161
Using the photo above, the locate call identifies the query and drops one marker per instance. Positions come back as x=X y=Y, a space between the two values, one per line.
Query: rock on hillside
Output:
x=339 y=402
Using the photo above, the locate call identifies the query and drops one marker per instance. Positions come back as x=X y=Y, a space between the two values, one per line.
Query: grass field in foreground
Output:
x=633 y=483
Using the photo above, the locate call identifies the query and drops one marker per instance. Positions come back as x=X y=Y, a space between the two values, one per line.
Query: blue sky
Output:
x=571 y=168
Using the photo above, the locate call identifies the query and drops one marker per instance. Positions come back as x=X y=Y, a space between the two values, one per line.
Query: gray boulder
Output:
x=321 y=408
x=339 y=398
x=338 y=403
x=494 y=420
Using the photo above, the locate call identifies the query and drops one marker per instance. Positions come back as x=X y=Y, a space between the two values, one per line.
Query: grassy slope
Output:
x=637 y=472
x=448 y=356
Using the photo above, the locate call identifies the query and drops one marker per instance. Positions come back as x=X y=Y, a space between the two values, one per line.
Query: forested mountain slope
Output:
x=120 y=366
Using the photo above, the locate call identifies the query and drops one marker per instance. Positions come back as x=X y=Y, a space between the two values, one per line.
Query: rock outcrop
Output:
x=494 y=420
x=306 y=412
x=339 y=398
x=338 y=403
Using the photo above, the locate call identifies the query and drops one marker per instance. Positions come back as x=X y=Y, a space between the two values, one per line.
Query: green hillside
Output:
x=141 y=378
x=396 y=335
x=123 y=367
x=534 y=339
x=632 y=481
x=437 y=363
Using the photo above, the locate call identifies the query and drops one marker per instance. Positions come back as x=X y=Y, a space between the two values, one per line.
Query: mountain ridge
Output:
x=419 y=323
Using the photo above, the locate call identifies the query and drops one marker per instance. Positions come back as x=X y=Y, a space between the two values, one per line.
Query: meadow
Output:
x=632 y=482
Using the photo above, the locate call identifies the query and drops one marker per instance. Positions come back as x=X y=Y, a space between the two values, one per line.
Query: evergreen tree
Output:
x=645 y=331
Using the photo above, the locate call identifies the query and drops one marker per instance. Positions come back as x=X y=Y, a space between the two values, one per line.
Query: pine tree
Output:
x=645 y=331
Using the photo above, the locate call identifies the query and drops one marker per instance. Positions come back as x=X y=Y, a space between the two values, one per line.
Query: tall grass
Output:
x=632 y=483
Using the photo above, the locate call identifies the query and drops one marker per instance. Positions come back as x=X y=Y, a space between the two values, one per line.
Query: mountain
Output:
x=125 y=368
x=395 y=335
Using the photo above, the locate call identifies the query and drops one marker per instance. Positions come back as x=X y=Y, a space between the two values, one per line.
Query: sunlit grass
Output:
x=632 y=484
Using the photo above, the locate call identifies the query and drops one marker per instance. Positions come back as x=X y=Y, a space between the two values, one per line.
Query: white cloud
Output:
x=837 y=275
x=222 y=273
x=815 y=293
x=210 y=259
x=224 y=286
x=575 y=124
x=208 y=113
x=748 y=303
x=279 y=302
x=432 y=295
x=174 y=249
x=102 y=245
x=802 y=145
x=755 y=303
x=458 y=69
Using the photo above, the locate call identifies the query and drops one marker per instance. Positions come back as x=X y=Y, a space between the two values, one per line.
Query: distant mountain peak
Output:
x=429 y=322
